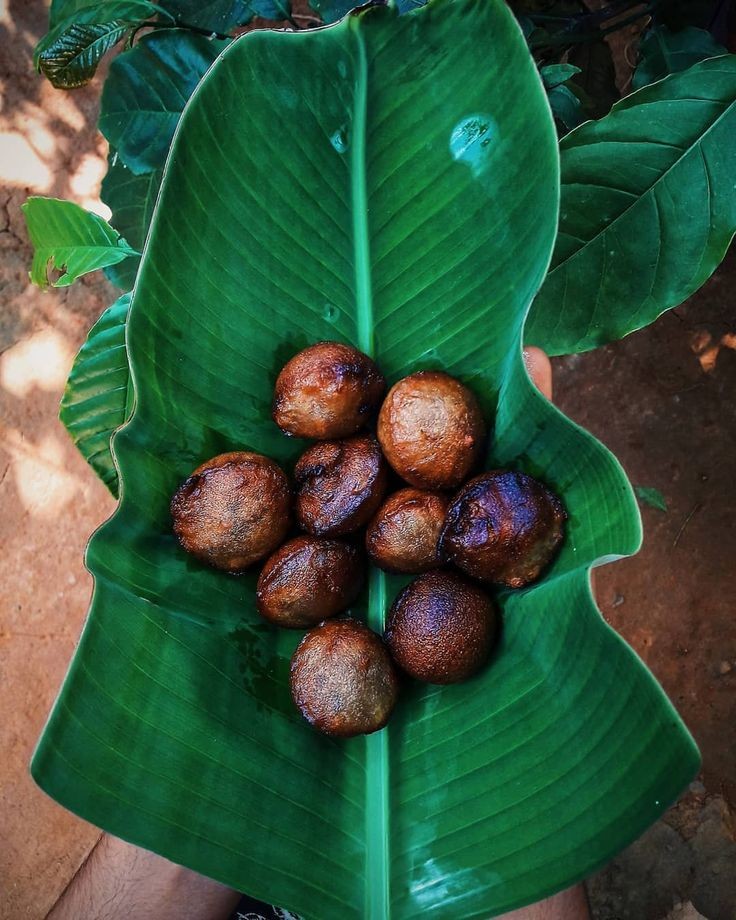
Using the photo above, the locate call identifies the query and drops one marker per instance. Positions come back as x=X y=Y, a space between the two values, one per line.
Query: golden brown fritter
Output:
x=329 y=390
x=441 y=628
x=233 y=510
x=431 y=430
x=503 y=527
x=339 y=485
x=343 y=680
x=307 y=580
x=404 y=534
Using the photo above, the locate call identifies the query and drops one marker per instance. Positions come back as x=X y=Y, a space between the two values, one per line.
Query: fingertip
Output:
x=539 y=369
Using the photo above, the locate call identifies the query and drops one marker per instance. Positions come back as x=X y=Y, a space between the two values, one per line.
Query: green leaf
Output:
x=566 y=107
x=98 y=10
x=651 y=497
x=72 y=60
x=70 y=52
x=556 y=74
x=332 y=10
x=96 y=398
x=362 y=183
x=648 y=209
x=131 y=199
x=223 y=15
x=146 y=91
x=69 y=239
x=663 y=52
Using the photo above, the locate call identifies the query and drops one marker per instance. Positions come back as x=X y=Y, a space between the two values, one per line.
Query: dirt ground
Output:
x=662 y=400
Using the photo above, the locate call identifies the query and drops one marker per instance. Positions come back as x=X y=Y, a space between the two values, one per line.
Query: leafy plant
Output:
x=652 y=497
x=393 y=182
x=663 y=52
x=624 y=253
x=71 y=240
x=98 y=395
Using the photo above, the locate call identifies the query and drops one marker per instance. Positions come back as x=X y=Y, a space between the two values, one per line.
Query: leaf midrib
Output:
x=647 y=191
x=377 y=901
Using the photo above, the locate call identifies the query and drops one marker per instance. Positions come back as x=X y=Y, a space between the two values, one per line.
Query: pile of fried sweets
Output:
x=403 y=499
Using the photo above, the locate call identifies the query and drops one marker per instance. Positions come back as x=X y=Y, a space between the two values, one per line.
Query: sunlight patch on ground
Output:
x=43 y=485
x=41 y=361
x=20 y=164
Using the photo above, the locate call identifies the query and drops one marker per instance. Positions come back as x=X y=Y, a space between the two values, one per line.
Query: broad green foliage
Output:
x=146 y=90
x=97 y=400
x=70 y=52
x=222 y=15
x=332 y=10
x=391 y=182
x=68 y=238
x=648 y=209
x=565 y=105
x=131 y=199
x=651 y=497
x=663 y=52
x=72 y=59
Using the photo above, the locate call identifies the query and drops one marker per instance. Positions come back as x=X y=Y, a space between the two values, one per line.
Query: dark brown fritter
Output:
x=441 y=628
x=343 y=680
x=307 y=580
x=404 y=534
x=233 y=510
x=339 y=485
x=431 y=430
x=503 y=527
x=329 y=390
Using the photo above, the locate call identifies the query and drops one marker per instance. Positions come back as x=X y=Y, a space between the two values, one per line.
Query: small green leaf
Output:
x=651 y=497
x=131 y=199
x=70 y=52
x=223 y=15
x=146 y=91
x=663 y=52
x=648 y=209
x=556 y=74
x=332 y=10
x=566 y=107
x=70 y=239
x=97 y=398
x=72 y=60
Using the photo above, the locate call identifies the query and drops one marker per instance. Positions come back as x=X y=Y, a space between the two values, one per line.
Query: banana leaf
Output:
x=394 y=183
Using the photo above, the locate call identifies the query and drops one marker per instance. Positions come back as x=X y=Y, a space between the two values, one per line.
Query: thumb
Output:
x=539 y=369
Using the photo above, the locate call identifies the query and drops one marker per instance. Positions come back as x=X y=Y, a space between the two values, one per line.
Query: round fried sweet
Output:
x=441 y=628
x=328 y=390
x=431 y=430
x=404 y=534
x=343 y=680
x=339 y=485
x=233 y=510
x=307 y=580
x=503 y=527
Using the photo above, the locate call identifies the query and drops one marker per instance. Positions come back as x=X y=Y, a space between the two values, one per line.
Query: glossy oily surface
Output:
x=233 y=510
x=328 y=390
x=404 y=534
x=431 y=430
x=339 y=485
x=441 y=627
x=503 y=527
x=425 y=144
x=343 y=680
x=308 y=580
